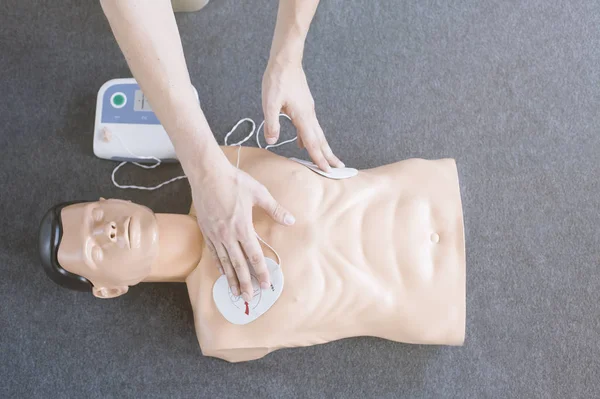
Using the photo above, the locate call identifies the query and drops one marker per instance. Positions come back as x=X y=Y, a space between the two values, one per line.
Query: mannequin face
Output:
x=113 y=243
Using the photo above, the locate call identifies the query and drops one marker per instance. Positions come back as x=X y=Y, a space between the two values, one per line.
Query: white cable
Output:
x=158 y=162
x=271 y=248
x=273 y=145
x=235 y=127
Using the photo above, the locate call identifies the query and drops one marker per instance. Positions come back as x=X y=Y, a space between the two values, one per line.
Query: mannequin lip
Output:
x=134 y=234
x=127 y=231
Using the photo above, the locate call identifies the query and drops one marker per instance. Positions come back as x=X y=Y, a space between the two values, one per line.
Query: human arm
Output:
x=147 y=34
x=285 y=87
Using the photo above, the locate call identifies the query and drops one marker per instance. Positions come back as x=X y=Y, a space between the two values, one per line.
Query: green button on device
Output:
x=118 y=100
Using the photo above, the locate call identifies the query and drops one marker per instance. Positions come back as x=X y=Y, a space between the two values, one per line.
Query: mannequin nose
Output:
x=111 y=231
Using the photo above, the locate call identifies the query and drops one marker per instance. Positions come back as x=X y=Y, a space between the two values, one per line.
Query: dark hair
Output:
x=50 y=235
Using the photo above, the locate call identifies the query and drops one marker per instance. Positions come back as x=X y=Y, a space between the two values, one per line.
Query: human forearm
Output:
x=147 y=34
x=285 y=87
x=223 y=196
x=293 y=21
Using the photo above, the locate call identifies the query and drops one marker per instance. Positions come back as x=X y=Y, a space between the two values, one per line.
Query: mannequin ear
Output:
x=109 y=292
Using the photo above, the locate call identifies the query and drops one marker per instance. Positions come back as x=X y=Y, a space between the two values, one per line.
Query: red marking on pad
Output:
x=247 y=308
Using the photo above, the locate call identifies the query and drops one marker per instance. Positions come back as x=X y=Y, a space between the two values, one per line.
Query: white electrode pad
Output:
x=336 y=173
x=235 y=309
x=126 y=128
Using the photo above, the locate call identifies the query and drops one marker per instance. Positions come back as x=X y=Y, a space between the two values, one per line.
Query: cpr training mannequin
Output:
x=379 y=254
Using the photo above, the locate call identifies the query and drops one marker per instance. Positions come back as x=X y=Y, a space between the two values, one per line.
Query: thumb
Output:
x=281 y=215
x=272 y=123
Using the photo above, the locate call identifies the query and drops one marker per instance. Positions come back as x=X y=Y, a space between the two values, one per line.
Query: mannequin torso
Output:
x=380 y=254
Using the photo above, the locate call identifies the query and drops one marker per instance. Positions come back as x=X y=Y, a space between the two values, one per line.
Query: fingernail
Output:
x=271 y=140
x=342 y=165
x=246 y=297
x=221 y=270
x=289 y=219
x=264 y=285
x=235 y=290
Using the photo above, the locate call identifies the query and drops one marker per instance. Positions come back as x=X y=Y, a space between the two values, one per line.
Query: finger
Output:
x=241 y=270
x=306 y=130
x=272 y=126
x=211 y=249
x=265 y=200
x=256 y=259
x=228 y=268
x=313 y=146
x=326 y=150
x=330 y=157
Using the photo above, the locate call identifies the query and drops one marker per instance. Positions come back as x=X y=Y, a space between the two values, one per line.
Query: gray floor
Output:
x=511 y=89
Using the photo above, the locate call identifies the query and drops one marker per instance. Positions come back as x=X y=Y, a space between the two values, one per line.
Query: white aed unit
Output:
x=126 y=128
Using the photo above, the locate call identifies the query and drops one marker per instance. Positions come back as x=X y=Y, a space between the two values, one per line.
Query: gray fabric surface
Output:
x=511 y=89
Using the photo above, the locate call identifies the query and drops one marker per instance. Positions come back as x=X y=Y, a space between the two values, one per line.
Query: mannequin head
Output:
x=104 y=246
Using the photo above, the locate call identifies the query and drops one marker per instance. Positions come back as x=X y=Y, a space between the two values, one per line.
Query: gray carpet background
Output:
x=511 y=89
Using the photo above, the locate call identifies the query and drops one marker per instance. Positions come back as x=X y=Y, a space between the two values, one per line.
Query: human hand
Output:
x=284 y=88
x=223 y=200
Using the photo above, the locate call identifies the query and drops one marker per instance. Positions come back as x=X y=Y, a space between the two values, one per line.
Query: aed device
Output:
x=125 y=121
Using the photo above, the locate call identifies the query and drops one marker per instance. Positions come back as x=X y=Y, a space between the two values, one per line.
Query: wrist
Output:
x=200 y=163
x=288 y=46
x=286 y=57
x=193 y=140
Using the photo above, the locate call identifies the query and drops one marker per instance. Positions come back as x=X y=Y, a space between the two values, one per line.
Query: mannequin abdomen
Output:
x=390 y=256
x=426 y=284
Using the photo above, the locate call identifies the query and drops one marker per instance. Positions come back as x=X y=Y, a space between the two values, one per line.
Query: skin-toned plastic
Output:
x=380 y=254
